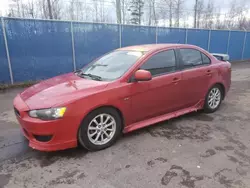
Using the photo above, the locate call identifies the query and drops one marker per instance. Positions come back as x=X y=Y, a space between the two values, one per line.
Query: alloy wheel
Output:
x=101 y=129
x=214 y=98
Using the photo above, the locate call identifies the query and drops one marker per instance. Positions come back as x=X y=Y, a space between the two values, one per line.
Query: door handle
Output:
x=175 y=80
x=208 y=72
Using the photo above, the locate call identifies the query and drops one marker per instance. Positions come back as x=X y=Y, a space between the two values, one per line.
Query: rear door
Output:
x=159 y=95
x=196 y=75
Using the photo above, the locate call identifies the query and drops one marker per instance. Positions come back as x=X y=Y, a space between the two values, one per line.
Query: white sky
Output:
x=3 y=6
x=189 y=4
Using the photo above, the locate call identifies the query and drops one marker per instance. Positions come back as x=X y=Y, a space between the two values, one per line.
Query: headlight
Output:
x=48 y=114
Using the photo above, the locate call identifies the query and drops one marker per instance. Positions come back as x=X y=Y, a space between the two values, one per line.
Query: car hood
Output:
x=59 y=90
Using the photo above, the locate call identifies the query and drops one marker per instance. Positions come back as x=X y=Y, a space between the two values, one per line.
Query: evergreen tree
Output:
x=136 y=10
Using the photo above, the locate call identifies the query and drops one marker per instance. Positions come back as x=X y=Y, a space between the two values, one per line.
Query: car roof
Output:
x=152 y=47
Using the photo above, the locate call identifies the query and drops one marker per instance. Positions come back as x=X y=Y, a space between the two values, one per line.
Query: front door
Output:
x=159 y=95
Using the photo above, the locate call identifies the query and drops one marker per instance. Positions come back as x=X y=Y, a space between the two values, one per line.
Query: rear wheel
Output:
x=213 y=99
x=100 y=129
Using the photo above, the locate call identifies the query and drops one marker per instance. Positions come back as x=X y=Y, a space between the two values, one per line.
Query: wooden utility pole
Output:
x=50 y=10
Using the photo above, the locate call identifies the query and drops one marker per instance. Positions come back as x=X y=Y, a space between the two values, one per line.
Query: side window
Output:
x=191 y=57
x=161 y=63
x=205 y=59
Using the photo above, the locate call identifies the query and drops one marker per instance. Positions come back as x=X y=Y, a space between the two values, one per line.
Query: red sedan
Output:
x=124 y=90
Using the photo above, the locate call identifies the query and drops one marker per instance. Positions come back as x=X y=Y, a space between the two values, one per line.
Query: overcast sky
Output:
x=189 y=4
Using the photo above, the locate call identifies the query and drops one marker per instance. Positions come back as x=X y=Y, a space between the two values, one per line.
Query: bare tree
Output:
x=124 y=8
x=95 y=8
x=28 y=9
x=102 y=11
x=218 y=24
x=232 y=14
x=121 y=7
x=208 y=18
x=178 y=6
x=154 y=13
x=31 y=8
x=71 y=10
x=56 y=9
x=123 y=11
x=236 y=17
x=241 y=18
x=50 y=9
x=43 y=6
x=149 y=13
x=15 y=8
x=170 y=9
x=200 y=10
x=167 y=11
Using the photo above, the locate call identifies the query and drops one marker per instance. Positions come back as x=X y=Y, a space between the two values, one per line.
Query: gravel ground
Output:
x=195 y=150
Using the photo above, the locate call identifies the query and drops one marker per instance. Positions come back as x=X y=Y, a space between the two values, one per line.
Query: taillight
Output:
x=229 y=66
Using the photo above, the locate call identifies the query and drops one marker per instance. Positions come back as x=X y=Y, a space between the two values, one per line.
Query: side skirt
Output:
x=164 y=117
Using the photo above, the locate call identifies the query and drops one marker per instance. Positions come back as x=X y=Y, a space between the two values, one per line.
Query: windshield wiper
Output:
x=94 y=77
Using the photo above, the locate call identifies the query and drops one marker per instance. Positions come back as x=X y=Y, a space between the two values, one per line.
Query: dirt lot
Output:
x=196 y=150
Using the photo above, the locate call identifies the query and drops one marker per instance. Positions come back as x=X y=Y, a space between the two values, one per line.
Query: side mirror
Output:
x=143 y=75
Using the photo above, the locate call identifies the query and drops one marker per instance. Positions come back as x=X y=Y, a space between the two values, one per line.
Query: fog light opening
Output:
x=42 y=138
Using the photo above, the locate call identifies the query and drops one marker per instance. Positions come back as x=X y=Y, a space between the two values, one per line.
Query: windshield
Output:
x=112 y=65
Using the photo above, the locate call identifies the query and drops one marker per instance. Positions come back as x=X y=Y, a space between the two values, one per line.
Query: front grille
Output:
x=17 y=112
x=42 y=138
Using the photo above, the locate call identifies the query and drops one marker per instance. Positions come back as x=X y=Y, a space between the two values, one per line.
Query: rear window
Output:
x=192 y=58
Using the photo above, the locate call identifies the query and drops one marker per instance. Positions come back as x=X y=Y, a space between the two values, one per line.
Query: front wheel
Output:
x=100 y=129
x=213 y=99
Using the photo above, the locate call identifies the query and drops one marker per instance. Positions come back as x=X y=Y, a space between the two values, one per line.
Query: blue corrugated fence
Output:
x=4 y=70
x=39 y=49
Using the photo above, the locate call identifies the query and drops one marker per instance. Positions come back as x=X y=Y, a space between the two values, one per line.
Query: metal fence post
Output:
x=156 y=35
x=228 y=40
x=7 y=50
x=244 y=44
x=120 y=35
x=186 y=36
x=209 y=40
x=73 y=46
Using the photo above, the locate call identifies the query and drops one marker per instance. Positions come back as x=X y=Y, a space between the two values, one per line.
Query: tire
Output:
x=85 y=132
x=208 y=106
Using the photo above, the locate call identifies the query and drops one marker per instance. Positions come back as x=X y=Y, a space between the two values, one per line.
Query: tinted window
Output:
x=191 y=57
x=161 y=63
x=205 y=59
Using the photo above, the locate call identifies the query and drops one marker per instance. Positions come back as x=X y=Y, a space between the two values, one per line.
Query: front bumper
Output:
x=63 y=132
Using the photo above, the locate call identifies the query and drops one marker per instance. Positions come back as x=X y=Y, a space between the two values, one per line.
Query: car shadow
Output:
x=171 y=128
x=48 y=158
